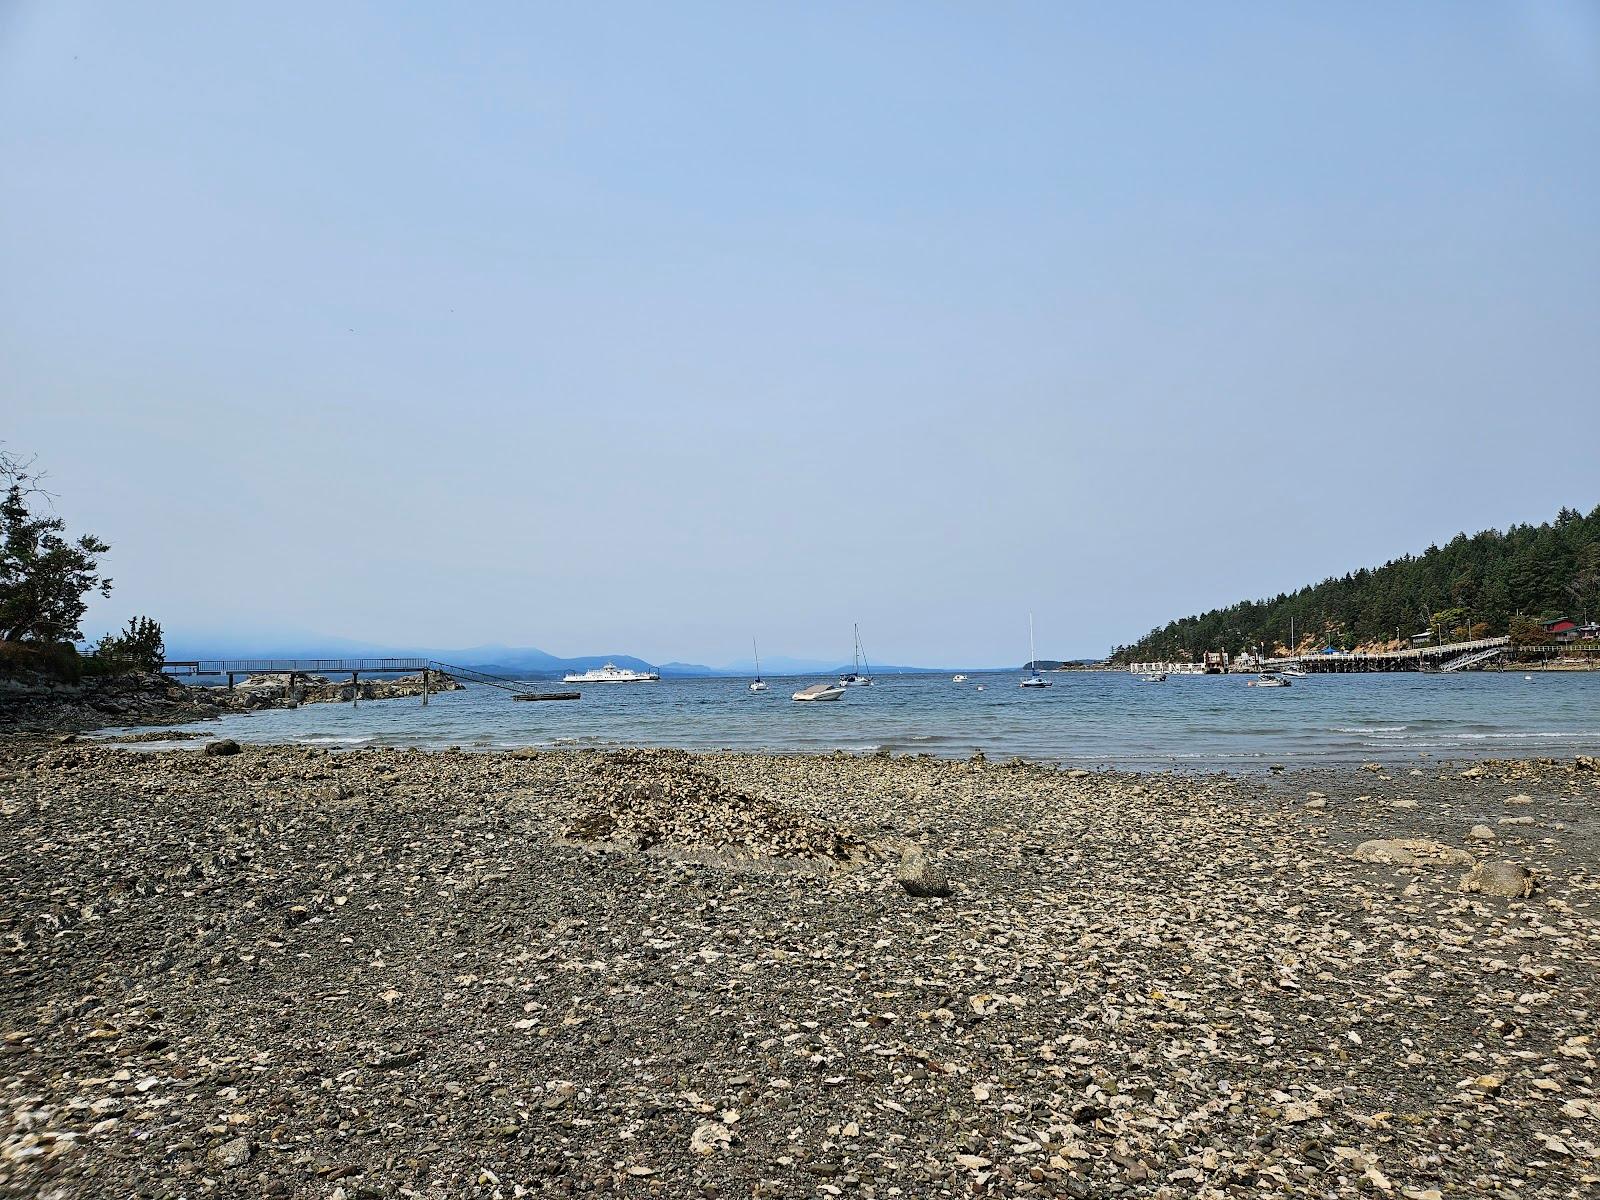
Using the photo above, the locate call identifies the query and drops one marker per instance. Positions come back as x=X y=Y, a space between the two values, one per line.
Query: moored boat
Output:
x=861 y=673
x=819 y=691
x=757 y=684
x=1268 y=679
x=1034 y=680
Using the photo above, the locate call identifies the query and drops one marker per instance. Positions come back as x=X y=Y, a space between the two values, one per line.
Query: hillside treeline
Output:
x=1488 y=584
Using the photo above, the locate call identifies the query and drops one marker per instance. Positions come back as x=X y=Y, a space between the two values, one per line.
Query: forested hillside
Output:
x=1488 y=584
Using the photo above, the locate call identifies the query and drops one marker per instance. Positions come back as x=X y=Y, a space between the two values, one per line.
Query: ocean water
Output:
x=1189 y=722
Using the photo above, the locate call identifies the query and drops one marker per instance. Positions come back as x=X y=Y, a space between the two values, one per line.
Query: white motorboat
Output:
x=1293 y=672
x=757 y=684
x=1153 y=677
x=1034 y=679
x=1268 y=679
x=861 y=674
x=819 y=691
x=958 y=679
x=611 y=673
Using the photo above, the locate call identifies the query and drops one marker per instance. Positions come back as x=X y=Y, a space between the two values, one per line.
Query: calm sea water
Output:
x=1196 y=722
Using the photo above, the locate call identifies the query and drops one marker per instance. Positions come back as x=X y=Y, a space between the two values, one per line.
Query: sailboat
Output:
x=1293 y=669
x=1034 y=679
x=854 y=677
x=757 y=684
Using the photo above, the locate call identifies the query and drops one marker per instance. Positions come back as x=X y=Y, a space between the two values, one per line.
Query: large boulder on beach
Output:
x=221 y=747
x=1501 y=878
x=1412 y=852
x=921 y=877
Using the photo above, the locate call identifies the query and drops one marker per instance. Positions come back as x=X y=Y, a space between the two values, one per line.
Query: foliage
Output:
x=44 y=577
x=1525 y=631
x=139 y=647
x=61 y=661
x=1474 y=586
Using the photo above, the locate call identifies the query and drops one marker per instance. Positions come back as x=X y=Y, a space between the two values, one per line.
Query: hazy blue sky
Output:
x=645 y=327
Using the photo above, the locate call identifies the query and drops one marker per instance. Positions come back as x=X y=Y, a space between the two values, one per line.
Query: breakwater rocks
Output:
x=288 y=972
x=275 y=691
x=36 y=705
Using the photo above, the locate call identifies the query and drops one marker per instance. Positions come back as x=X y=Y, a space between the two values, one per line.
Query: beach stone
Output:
x=1586 y=762
x=1316 y=800
x=710 y=1137
x=1481 y=833
x=920 y=877
x=233 y=1153
x=1520 y=798
x=222 y=746
x=1412 y=852
x=1515 y=821
x=1501 y=878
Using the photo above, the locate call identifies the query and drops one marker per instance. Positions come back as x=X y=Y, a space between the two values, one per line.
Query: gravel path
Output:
x=289 y=972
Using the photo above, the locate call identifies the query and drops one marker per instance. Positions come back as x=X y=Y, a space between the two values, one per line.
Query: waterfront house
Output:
x=1561 y=629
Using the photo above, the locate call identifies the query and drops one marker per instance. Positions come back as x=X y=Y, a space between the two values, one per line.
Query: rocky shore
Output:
x=289 y=972
x=39 y=705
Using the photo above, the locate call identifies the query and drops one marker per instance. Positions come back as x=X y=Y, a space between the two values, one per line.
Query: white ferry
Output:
x=611 y=673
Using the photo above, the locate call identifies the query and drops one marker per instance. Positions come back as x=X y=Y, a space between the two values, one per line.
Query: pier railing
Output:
x=295 y=666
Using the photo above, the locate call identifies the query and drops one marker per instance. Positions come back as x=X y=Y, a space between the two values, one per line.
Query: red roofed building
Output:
x=1561 y=629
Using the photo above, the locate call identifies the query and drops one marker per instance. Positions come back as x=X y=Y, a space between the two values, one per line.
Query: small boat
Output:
x=819 y=691
x=547 y=696
x=1293 y=672
x=958 y=679
x=855 y=677
x=1153 y=677
x=757 y=684
x=1034 y=680
x=611 y=673
x=1268 y=679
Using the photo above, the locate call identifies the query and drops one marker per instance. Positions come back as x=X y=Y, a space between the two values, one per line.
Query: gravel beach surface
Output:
x=280 y=971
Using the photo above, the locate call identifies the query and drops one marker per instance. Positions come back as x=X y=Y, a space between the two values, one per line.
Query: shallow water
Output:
x=1189 y=722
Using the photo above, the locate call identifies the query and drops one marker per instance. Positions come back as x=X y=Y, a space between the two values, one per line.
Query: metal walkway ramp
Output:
x=1467 y=661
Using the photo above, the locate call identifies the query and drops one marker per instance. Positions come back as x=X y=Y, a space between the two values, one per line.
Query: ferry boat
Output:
x=611 y=673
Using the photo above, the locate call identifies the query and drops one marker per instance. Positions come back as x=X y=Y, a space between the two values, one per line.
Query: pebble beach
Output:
x=283 y=971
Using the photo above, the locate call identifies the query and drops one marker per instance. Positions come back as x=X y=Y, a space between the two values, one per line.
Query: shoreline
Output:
x=288 y=970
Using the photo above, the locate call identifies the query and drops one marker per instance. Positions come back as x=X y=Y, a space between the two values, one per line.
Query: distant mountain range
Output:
x=498 y=659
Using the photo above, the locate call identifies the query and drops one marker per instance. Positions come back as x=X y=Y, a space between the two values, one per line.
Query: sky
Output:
x=642 y=328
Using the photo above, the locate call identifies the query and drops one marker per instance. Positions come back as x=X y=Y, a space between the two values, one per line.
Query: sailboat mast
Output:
x=757 y=654
x=1033 y=655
